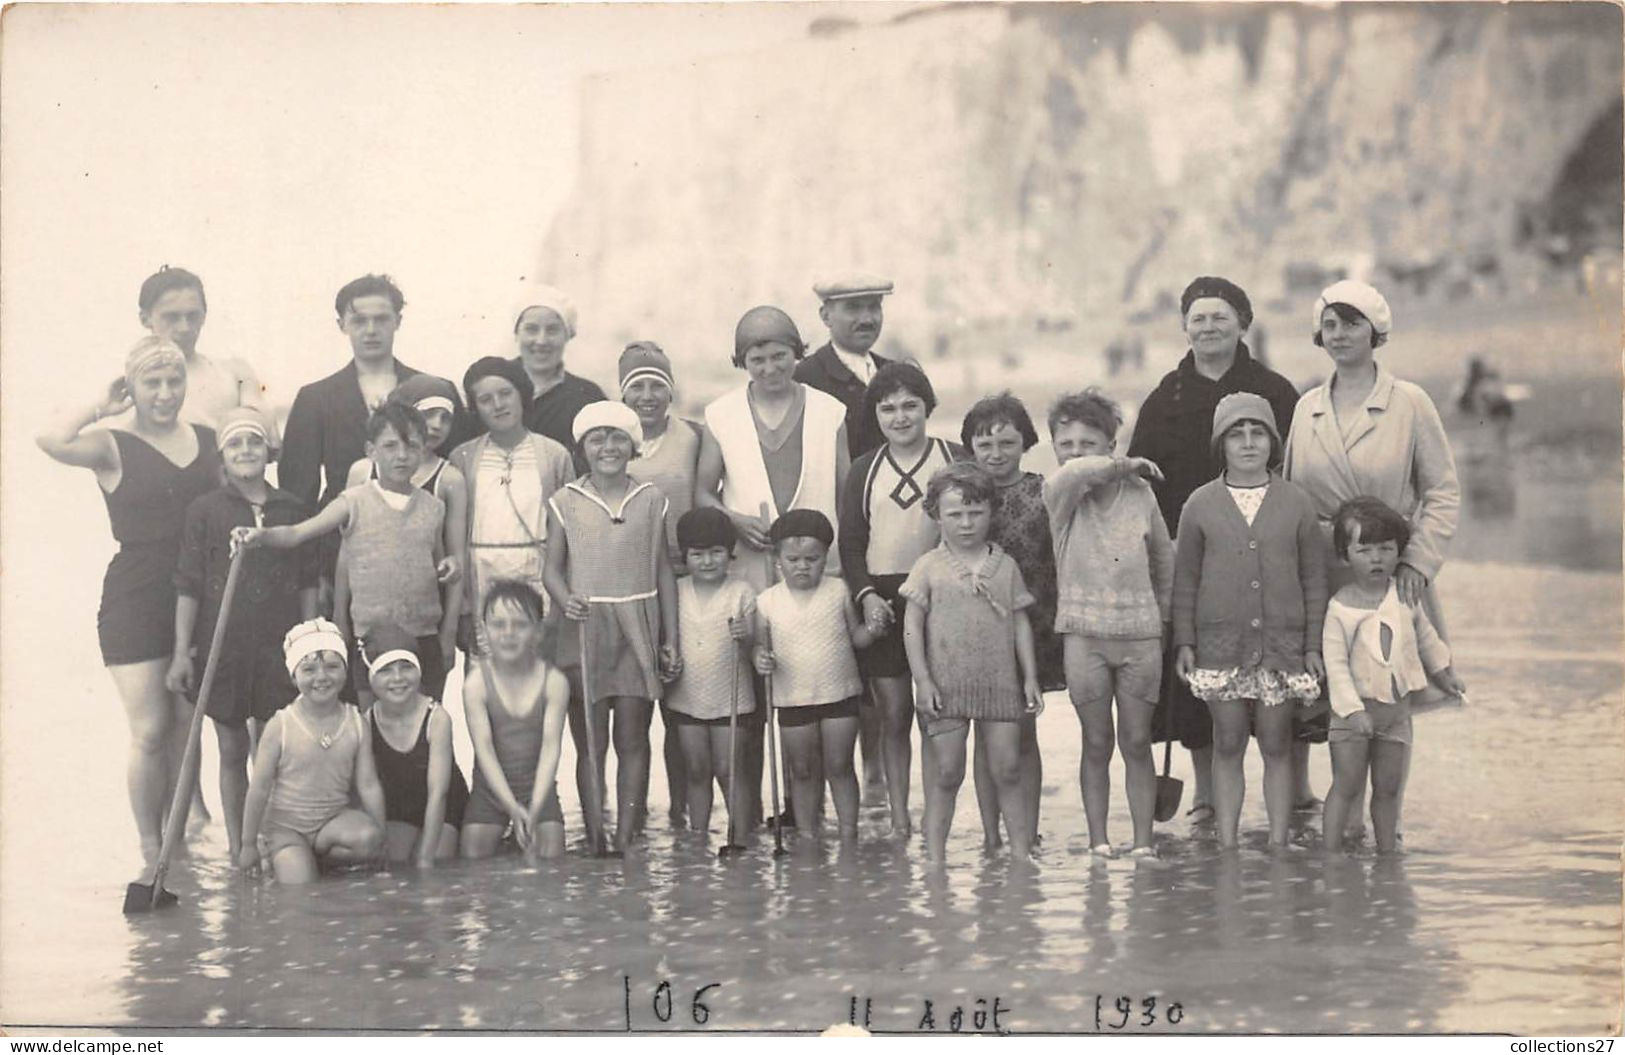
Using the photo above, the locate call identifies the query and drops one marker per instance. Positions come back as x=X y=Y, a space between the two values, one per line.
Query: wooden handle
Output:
x=181 y=804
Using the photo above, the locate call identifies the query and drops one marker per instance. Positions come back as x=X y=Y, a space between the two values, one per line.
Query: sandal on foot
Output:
x=1308 y=805
x=1103 y=850
x=1202 y=813
x=1142 y=852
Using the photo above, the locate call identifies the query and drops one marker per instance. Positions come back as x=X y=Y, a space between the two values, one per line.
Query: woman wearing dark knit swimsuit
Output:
x=148 y=474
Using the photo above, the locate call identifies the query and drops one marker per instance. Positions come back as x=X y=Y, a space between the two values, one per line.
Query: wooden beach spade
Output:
x=733 y=846
x=772 y=715
x=146 y=897
x=1169 y=789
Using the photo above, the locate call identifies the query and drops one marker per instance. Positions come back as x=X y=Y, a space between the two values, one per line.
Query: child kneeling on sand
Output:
x=313 y=754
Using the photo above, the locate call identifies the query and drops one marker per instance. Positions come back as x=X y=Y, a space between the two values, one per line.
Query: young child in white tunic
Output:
x=808 y=627
x=714 y=623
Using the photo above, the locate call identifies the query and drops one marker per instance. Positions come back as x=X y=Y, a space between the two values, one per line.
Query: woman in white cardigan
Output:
x=1365 y=432
x=771 y=443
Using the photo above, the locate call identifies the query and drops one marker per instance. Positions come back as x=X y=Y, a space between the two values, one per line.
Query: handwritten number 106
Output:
x=663 y=1003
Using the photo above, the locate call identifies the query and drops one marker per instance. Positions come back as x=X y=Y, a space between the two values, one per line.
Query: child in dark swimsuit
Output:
x=517 y=704
x=424 y=791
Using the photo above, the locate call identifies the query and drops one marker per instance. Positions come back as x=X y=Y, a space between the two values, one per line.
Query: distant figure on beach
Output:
x=327 y=424
x=544 y=324
x=149 y=471
x=1483 y=442
x=1173 y=430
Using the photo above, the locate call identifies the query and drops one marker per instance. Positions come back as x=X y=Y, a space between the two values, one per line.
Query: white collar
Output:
x=862 y=364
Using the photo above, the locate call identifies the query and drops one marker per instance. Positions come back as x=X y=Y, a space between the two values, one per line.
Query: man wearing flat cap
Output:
x=845 y=364
x=843 y=367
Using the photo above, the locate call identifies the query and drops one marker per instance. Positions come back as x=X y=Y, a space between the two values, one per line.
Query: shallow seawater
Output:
x=1504 y=915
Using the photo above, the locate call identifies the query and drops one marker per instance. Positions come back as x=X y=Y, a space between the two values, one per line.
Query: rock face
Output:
x=1059 y=169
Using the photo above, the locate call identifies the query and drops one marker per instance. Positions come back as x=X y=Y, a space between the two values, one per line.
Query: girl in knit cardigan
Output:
x=1249 y=602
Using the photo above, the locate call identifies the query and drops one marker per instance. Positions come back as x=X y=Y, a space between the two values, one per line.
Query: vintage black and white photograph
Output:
x=898 y=518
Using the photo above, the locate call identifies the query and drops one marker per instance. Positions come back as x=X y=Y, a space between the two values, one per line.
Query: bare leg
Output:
x=1387 y=784
x=150 y=773
x=1032 y=773
x=696 y=744
x=1202 y=766
x=233 y=742
x=1230 y=735
x=874 y=770
x=1350 y=759
x=942 y=789
x=478 y=841
x=632 y=715
x=987 y=794
x=1139 y=769
x=179 y=728
x=1302 y=793
x=549 y=836
x=895 y=696
x=1275 y=744
x=295 y=865
x=1004 y=762
x=446 y=845
x=671 y=753
x=803 y=765
x=351 y=836
x=400 y=839
x=578 y=737
x=721 y=766
x=838 y=735
x=1091 y=684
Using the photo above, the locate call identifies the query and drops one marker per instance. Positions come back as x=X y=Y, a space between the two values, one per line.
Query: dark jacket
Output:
x=554 y=411
x=824 y=371
x=326 y=433
x=267 y=601
x=1175 y=426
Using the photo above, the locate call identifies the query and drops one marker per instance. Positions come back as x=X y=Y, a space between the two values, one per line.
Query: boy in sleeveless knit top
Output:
x=394 y=547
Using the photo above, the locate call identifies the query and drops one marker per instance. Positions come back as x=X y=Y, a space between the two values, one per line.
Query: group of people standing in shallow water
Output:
x=806 y=565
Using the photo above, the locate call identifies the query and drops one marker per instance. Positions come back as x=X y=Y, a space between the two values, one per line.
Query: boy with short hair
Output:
x=394 y=546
